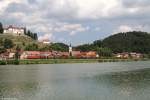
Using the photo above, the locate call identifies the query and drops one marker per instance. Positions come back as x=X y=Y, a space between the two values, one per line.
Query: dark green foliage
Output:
x=2 y=50
x=104 y=52
x=1 y=28
x=8 y=43
x=32 y=35
x=17 y=54
x=5 y=44
x=86 y=47
x=31 y=47
x=59 y=47
x=2 y=62
x=46 y=48
x=98 y=43
x=128 y=42
x=14 y=62
x=25 y=31
x=121 y=42
x=35 y=37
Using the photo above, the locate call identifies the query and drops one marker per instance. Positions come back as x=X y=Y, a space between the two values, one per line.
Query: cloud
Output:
x=124 y=28
x=72 y=29
x=75 y=9
x=77 y=16
x=4 y=4
x=97 y=29
x=129 y=28
x=46 y=37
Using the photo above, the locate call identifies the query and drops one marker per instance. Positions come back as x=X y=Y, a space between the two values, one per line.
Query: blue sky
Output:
x=76 y=21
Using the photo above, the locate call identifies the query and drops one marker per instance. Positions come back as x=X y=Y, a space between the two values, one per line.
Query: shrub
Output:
x=3 y=63
x=16 y=62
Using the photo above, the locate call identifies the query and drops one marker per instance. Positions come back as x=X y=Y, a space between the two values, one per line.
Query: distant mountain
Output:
x=128 y=42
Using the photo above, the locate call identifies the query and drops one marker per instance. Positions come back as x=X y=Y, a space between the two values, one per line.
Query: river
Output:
x=95 y=81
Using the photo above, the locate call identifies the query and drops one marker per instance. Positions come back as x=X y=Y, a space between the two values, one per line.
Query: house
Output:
x=129 y=55
x=136 y=55
x=30 y=55
x=36 y=55
x=56 y=54
x=4 y=56
x=76 y=53
x=124 y=55
x=45 y=55
x=14 y=30
x=46 y=41
x=11 y=55
x=91 y=54
x=64 y=55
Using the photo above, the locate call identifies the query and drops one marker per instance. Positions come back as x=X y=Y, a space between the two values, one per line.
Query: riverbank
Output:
x=61 y=61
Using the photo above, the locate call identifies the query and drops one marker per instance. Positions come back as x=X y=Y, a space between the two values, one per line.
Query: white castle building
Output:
x=14 y=30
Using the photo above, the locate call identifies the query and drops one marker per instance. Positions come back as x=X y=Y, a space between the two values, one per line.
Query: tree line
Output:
x=135 y=41
x=49 y=47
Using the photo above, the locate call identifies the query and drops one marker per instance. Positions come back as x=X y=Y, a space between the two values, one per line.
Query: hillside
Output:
x=128 y=42
x=18 y=40
x=122 y=42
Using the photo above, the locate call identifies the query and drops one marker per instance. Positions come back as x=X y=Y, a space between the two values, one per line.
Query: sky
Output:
x=76 y=21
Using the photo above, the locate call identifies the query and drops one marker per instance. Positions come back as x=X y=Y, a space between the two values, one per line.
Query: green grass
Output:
x=18 y=40
x=60 y=61
x=63 y=61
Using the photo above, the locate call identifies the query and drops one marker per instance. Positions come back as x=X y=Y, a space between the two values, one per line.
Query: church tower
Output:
x=70 y=50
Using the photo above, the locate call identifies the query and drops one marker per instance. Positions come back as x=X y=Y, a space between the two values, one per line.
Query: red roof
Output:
x=33 y=52
x=14 y=27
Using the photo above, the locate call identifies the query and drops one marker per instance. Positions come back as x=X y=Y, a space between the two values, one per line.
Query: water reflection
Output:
x=17 y=90
x=128 y=84
x=115 y=81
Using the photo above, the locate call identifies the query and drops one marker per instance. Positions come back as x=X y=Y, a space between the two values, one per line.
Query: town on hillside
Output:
x=47 y=50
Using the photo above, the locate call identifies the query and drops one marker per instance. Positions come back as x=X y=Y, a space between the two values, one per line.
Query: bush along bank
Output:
x=61 y=61
x=9 y=62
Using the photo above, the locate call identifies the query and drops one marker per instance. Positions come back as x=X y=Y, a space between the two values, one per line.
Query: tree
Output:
x=59 y=47
x=104 y=52
x=46 y=48
x=98 y=43
x=128 y=42
x=8 y=44
x=35 y=37
x=32 y=35
x=32 y=47
x=29 y=33
x=17 y=54
x=86 y=47
x=2 y=50
x=25 y=31
x=1 y=28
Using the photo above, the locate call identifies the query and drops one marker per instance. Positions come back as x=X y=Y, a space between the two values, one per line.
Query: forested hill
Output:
x=128 y=42
x=122 y=42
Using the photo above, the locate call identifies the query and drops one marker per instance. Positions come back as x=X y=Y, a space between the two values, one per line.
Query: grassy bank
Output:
x=60 y=61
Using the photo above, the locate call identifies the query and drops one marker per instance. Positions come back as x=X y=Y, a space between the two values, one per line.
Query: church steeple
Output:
x=70 y=50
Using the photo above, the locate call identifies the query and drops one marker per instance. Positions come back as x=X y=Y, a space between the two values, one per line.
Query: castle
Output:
x=14 y=30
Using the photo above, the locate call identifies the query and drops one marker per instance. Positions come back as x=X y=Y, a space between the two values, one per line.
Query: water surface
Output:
x=99 y=81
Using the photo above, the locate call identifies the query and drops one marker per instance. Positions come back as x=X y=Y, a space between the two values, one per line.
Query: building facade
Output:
x=14 y=30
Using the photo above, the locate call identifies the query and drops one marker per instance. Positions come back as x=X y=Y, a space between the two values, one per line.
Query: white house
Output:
x=46 y=41
x=14 y=30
